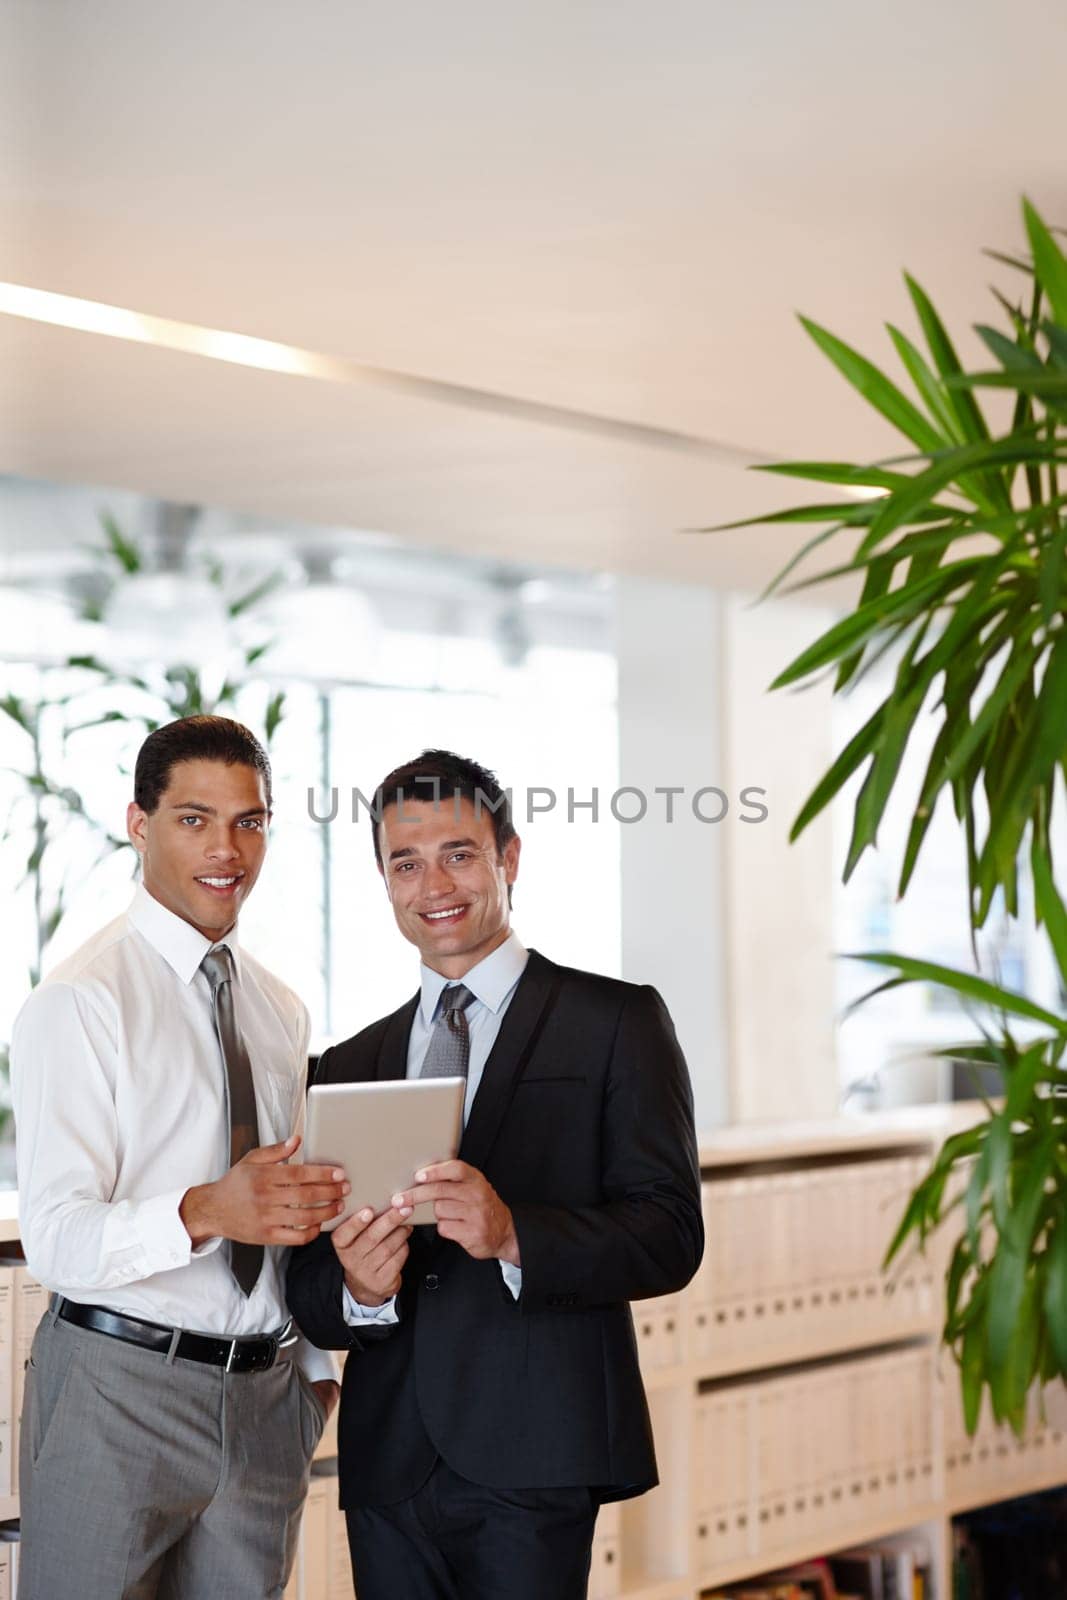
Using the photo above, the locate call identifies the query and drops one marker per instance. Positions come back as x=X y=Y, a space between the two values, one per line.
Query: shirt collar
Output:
x=177 y=941
x=491 y=980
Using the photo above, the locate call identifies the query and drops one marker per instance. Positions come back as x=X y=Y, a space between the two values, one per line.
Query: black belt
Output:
x=236 y=1355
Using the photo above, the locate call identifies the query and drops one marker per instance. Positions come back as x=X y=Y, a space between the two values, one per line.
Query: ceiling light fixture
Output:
x=116 y=322
x=92 y=316
x=323 y=631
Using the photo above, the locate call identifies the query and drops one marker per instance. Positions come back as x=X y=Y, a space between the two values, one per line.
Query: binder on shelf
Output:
x=725 y=1480
x=776 y=1431
x=976 y=1468
x=755 y=1200
x=658 y=1327
x=712 y=1269
x=801 y=1271
x=341 y=1583
x=609 y=1520
x=735 y=1291
x=9 y=1556
x=646 y=1331
x=605 y=1569
x=780 y=1265
x=794 y=1264
x=8 y=1472
x=814 y=1440
x=672 y=1347
x=327 y=1566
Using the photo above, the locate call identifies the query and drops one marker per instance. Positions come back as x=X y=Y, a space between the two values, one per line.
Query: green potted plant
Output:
x=960 y=546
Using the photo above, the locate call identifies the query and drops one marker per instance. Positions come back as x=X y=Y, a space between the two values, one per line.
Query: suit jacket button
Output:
x=431 y=1280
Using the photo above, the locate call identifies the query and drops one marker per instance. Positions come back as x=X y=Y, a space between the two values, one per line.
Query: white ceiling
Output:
x=612 y=208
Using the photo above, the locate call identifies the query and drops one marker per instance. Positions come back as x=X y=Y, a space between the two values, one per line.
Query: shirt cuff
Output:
x=356 y=1315
x=150 y=1235
x=317 y=1365
x=512 y=1276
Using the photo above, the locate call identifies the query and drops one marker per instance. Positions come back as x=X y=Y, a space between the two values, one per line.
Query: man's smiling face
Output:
x=447 y=882
x=202 y=847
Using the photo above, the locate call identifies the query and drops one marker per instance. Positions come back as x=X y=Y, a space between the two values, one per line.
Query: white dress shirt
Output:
x=120 y=1107
x=493 y=983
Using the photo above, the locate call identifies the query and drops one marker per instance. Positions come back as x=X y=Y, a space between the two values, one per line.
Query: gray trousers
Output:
x=147 y=1479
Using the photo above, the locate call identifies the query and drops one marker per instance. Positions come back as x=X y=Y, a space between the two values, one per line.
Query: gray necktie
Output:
x=449 y=1052
x=245 y=1259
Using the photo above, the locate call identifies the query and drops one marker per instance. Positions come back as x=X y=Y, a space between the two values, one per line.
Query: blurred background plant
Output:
x=178 y=644
x=959 y=551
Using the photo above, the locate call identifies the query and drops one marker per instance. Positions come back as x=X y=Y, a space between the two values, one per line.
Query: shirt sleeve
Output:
x=512 y=1277
x=317 y=1365
x=357 y=1315
x=62 y=1076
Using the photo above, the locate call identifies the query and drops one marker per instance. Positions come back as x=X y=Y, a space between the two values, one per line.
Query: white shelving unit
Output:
x=9 y=1233
x=823 y=1381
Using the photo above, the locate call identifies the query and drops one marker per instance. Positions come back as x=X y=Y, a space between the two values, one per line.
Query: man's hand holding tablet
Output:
x=373 y=1251
x=467 y=1210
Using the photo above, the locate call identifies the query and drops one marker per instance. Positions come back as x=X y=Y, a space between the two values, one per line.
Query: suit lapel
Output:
x=515 y=1043
x=393 y=1055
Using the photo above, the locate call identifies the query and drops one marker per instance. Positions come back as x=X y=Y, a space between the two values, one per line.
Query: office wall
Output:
x=670 y=735
x=731 y=922
x=778 y=896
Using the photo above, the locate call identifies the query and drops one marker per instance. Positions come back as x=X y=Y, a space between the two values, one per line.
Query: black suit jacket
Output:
x=583 y=1123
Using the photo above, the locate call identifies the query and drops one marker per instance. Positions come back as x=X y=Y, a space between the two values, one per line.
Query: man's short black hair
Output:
x=441 y=775
x=195 y=739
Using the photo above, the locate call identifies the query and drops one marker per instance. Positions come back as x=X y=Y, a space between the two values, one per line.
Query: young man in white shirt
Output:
x=158 y=1076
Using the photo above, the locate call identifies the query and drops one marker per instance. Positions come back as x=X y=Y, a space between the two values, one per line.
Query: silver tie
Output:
x=246 y=1260
x=449 y=1052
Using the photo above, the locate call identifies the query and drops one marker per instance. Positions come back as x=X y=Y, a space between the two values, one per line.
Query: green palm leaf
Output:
x=966 y=984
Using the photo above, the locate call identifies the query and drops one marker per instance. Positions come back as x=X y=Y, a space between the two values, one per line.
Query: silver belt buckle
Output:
x=232 y=1352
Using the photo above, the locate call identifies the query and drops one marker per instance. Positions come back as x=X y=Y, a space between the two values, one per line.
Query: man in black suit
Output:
x=493 y=1398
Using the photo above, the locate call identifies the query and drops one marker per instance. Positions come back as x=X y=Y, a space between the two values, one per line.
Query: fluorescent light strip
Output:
x=90 y=316
x=115 y=322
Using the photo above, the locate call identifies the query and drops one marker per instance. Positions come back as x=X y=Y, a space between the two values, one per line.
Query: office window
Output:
x=514 y=669
x=884 y=1049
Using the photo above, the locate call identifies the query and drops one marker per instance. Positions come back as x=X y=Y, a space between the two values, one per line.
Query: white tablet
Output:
x=382 y=1133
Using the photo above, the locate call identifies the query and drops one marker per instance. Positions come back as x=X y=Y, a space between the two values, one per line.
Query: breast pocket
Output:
x=277 y=1102
x=535 y=1079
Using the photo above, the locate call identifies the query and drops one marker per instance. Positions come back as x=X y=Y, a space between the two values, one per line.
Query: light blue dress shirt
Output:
x=493 y=983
